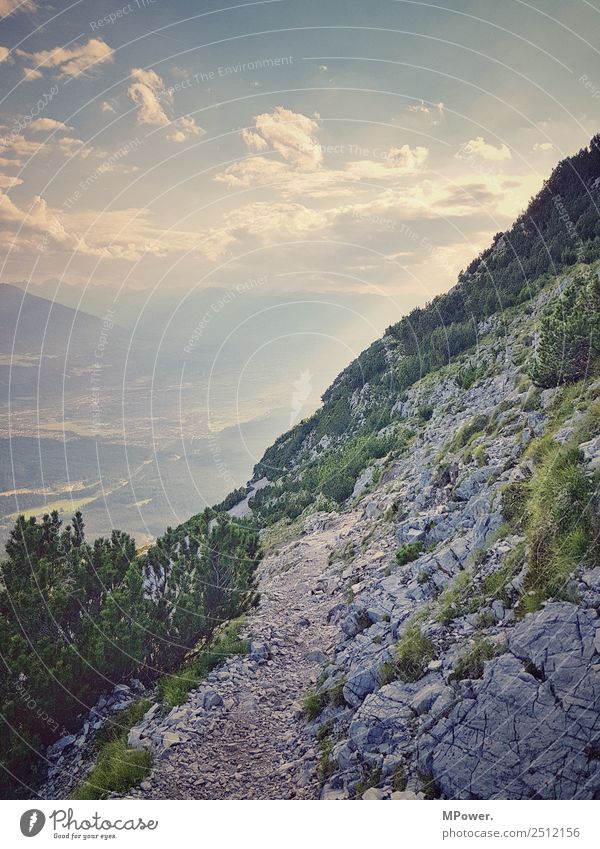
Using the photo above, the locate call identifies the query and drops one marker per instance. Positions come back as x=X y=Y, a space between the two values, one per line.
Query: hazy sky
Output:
x=328 y=145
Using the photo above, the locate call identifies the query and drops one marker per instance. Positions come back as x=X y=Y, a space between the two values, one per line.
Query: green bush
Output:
x=74 y=614
x=479 y=455
x=326 y=766
x=387 y=673
x=425 y=412
x=413 y=653
x=408 y=552
x=569 y=343
x=452 y=602
x=336 y=694
x=468 y=374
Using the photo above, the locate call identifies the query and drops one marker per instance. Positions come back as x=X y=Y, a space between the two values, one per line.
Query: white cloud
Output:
x=151 y=97
x=434 y=111
x=253 y=140
x=69 y=145
x=290 y=134
x=7 y=182
x=4 y=53
x=37 y=219
x=41 y=125
x=71 y=61
x=9 y=6
x=183 y=128
x=265 y=222
x=31 y=74
x=543 y=146
x=19 y=147
x=107 y=106
x=390 y=166
x=480 y=148
x=146 y=91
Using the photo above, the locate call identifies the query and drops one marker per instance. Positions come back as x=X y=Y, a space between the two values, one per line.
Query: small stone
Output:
x=316 y=656
x=259 y=651
x=373 y=794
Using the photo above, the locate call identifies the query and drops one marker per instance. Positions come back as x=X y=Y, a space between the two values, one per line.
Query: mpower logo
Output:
x=32 y=822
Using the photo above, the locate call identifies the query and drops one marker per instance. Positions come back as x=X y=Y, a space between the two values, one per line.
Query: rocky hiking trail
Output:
x=242 y=734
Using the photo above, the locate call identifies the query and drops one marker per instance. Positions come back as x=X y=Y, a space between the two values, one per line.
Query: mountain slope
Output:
x=432 y=578
x=454 y=612
x=560 y=228
x=33 y=325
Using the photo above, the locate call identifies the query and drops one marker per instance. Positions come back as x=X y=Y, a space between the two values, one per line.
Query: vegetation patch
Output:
x=74 y=614
x=118 y=767
x=560 y=525
x=175 y=687
x=514 y=504
x=471 y=664
x=408 y=552
x=569 y=344
x=469 y=430
x=335 y=695
x=314 y=703
x=371 y=779
x=414 y=651
x=453 y=601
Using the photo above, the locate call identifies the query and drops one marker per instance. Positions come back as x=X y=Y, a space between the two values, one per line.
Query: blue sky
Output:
x=331 y=146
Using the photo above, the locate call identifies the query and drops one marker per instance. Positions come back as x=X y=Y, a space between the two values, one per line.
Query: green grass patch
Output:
x=314 y=703
x=471 y=664
x=335 y=695
x=371 y=779
x=559 y=530
x=514 y=504
x=413 y=653
x=120 y=724
x=452 y=603
x=118 y=767
x=469 y=430
x=495 y=584
x=408 y=552
x=174 y=688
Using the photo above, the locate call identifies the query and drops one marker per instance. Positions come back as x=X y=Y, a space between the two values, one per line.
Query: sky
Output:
x=325 y=147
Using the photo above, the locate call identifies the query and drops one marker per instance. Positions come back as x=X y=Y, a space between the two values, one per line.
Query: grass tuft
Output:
x=174 y=688
x=413 y=653
x=118 y=767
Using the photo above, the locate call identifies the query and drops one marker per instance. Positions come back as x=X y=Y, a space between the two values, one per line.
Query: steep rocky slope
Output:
x=428 y=623
x=485 y=700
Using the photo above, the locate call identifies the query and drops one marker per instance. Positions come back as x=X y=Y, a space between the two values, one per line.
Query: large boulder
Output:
x=531 y=727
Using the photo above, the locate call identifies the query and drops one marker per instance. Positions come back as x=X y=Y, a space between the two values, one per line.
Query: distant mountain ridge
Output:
x=30 y=324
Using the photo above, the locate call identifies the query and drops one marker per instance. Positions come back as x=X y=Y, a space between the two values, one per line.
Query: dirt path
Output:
x=254 y=745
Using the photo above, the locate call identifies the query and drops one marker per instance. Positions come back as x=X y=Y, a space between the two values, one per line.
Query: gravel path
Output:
x=254 y=744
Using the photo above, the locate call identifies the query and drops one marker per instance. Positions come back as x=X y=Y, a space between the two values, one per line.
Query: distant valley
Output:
x=143 y=424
